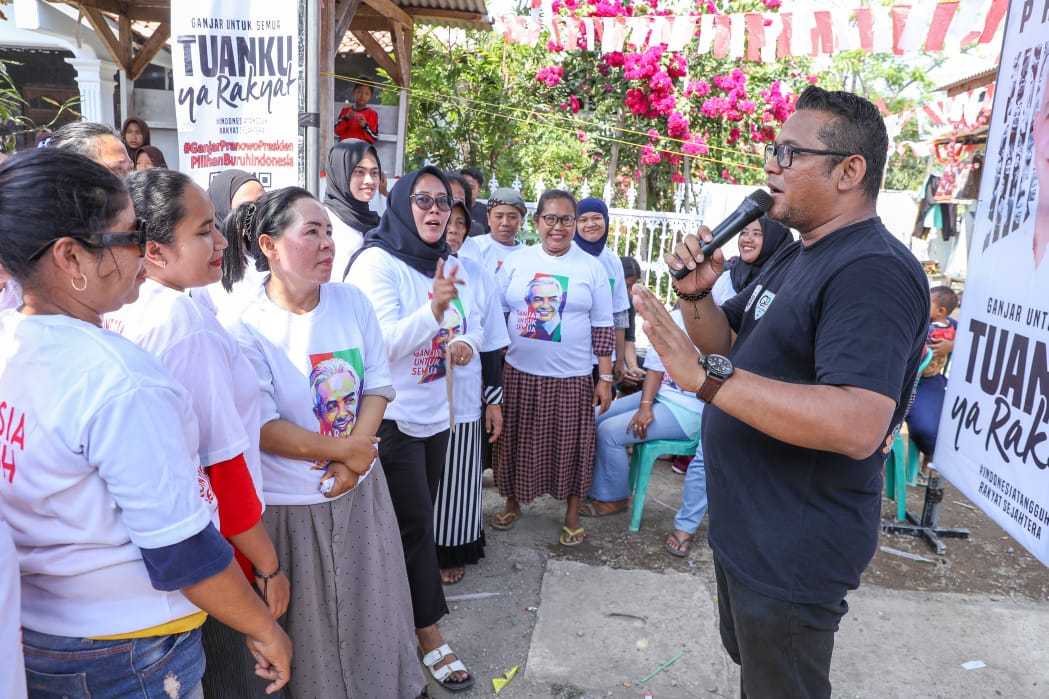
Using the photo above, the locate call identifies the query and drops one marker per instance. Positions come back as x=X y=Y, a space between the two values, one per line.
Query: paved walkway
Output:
x=590 y=630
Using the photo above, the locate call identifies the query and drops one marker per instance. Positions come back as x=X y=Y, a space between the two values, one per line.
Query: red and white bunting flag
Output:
x=808 y=30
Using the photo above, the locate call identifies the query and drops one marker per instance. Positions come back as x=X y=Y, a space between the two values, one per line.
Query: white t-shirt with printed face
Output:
x=98 y=458
x=206 y=361
x=554 y=302
x=415 y=341
x=12 y=666
x=467 y=382
x=313 y=370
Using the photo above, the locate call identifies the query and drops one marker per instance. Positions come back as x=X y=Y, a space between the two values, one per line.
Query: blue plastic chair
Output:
x=903 y=463
x=645 y=455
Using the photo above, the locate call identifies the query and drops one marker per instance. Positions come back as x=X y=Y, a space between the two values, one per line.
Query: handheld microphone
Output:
x=753 y=207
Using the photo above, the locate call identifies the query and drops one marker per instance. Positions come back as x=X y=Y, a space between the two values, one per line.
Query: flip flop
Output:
x=587 y=509
x=682 y=549
x=505 y=520
x=572 y=537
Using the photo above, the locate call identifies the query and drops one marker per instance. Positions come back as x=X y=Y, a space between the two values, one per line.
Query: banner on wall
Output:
x=993 y=442
x=237 y=82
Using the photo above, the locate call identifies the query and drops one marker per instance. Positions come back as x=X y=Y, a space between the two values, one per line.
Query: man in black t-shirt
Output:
x=807 y=371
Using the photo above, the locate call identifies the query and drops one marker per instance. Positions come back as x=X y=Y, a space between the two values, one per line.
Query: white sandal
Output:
x=441 y=674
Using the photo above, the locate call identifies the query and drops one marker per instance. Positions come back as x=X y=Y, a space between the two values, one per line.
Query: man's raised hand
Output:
x=675 y=348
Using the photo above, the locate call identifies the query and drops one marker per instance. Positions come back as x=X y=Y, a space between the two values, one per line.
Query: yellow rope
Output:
x=440 y=97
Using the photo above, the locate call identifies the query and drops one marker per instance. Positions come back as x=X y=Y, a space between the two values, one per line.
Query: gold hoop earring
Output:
x=83 y=287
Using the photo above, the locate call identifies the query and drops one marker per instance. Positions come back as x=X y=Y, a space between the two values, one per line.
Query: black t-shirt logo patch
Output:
x=763 y=304
x=754 y=295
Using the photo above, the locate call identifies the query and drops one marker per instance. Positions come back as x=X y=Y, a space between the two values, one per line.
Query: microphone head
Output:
x=761 y=199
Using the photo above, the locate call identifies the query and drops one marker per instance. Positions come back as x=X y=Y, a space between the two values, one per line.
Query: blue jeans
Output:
x=612 y=466
x=165 y=667
x=693 y=495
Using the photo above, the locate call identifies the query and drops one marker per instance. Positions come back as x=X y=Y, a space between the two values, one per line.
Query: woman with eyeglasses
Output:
x=101 y=486
x=353 y=174
x=184 y=250
x=430 y=329
x=560 y=309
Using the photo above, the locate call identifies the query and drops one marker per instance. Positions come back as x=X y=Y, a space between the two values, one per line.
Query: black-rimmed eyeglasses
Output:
x=783 y=153
x=566 y=221
x=105 y=239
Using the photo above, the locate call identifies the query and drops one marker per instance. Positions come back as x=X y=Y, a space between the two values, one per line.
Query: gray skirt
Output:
x=350 y=617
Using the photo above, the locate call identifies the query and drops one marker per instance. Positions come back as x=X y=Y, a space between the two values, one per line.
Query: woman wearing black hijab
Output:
x=231 y=188
x=353 y=174
x=405 y=270
x=228 y=190
x=758 y=242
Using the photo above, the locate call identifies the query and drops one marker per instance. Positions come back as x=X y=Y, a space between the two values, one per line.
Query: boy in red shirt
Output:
x=359 y=120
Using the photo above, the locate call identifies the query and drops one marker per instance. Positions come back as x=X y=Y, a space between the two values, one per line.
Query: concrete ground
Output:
x=596 y=620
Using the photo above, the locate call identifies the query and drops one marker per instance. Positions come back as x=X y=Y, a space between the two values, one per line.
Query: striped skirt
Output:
x=549 y=436
x=457 y=513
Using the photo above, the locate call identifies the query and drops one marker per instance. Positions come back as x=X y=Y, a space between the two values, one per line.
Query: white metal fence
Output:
x=649 y=235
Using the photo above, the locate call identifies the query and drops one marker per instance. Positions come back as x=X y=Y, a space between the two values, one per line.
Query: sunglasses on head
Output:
x=426 y=201
x=106 y=239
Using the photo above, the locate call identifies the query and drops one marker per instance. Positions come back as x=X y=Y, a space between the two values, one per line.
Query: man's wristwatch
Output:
x=718 y=369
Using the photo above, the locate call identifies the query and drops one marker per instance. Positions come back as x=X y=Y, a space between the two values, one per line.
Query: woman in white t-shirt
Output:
x=458 y=510
x=592 y=236
x=184 y=250
x=353 y=176
x=560 y=309
x=426 y=323
x=320 y=362
x=101 y=479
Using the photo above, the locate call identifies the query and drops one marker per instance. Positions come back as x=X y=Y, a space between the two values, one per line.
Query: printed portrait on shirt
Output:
x=337 y=382
x=546 y=297
x=429 y=363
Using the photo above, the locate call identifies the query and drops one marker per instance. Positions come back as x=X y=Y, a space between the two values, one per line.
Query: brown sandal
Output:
x=505 y=520
x=589 y=509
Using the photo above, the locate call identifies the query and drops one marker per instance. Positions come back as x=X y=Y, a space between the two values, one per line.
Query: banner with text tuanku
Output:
x=237 y=82
x=993 y=442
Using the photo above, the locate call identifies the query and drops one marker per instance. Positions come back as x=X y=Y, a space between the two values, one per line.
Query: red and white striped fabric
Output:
x=807 y=30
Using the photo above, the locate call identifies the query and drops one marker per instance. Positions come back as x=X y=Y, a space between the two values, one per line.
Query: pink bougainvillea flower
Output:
x=677 y=178
x=614 y=59
x=653 y=135
x=649 y=156
x=582 y=136
x=697 y=88
x=554 y=47
x=660 y=81
x=813 y=79
x=677 y=125
x=746 y=106
x=574 y=104
x=677 y=67
x=551 y=76
x=772 y=4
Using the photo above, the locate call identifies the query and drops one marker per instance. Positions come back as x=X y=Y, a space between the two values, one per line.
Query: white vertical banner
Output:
x=237 y=81
x=993 y=441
